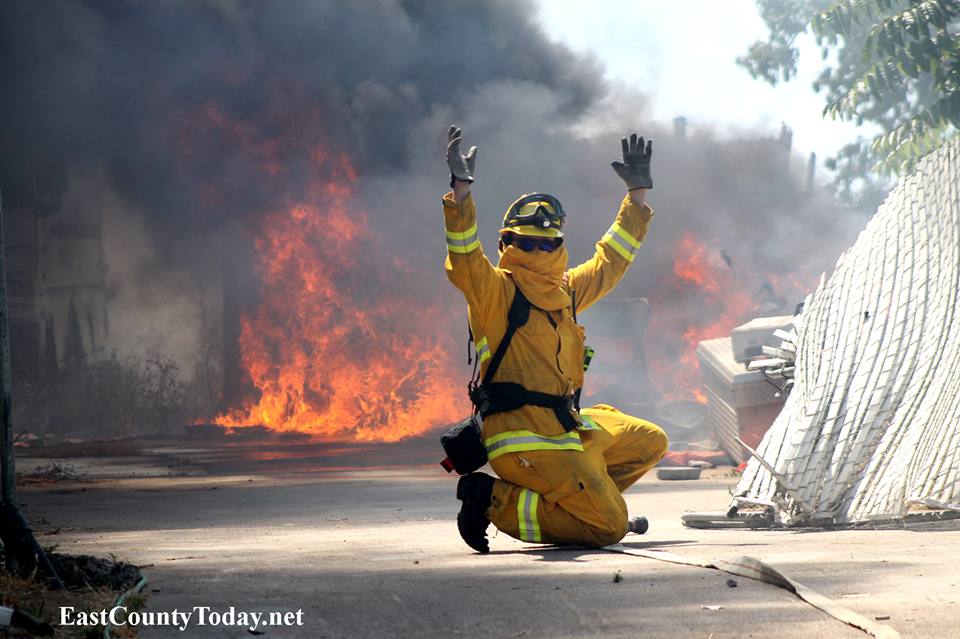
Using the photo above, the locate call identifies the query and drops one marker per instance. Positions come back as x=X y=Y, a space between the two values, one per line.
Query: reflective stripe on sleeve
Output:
x=463 y=242
x=514 y=441
x=483 y=350
x=527 y=505
x=622 y=242
x=588 y=423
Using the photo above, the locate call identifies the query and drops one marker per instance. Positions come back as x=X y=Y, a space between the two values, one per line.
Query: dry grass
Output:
x=36 y=599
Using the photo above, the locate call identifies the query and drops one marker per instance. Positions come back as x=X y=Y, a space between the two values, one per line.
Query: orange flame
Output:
x=705 y=300
x=690 y=266
x=341 y=345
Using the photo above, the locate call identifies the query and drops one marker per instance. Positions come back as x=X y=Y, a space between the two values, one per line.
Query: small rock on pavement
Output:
x=732 y=583
x=675 y=473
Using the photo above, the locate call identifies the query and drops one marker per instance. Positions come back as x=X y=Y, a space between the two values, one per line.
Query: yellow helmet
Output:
x=536 y=214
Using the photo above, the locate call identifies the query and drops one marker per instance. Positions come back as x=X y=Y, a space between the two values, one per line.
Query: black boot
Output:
x=474 y=490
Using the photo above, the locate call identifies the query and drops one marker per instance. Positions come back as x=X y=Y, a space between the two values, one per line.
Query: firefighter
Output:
x=561 y=470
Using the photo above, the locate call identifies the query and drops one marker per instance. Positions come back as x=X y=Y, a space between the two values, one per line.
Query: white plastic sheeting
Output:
x=871 y=429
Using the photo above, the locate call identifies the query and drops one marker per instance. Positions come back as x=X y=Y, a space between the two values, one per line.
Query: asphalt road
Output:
x=365 y=547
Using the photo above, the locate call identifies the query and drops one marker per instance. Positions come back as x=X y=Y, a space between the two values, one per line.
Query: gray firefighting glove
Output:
x=635 y=168
x=461 y=166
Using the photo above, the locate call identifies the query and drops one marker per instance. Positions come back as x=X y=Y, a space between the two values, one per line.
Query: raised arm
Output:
x=467 y=267
x=617 y=248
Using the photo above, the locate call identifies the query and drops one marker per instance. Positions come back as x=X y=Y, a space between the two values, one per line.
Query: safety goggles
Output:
x=527 y=243
x=537 y=210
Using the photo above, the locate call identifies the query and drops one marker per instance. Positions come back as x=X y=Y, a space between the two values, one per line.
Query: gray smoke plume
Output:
x=129 y=85
x=205 y=117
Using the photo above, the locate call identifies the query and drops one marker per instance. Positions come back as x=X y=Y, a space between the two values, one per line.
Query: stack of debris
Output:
x=746 y=379
x=779 y=362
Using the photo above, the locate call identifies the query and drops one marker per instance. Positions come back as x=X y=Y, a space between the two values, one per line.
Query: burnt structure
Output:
x=55 y=271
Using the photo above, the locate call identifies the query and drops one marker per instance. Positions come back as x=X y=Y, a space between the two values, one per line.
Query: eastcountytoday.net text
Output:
x=180 y=619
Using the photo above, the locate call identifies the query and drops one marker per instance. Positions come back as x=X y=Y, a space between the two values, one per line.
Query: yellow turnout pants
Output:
x=573 y=497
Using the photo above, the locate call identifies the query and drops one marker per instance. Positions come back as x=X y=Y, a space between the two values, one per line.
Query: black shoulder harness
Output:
x=490 y=398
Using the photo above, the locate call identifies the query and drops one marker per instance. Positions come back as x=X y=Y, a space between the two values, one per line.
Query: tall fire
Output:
x=704 y=298
x=339 y=345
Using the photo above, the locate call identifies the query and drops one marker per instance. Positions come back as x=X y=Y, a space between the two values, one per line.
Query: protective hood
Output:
x=539 y=275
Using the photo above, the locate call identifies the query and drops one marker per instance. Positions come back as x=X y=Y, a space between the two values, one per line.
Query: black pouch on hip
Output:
x=463 y=442
x=464 y=447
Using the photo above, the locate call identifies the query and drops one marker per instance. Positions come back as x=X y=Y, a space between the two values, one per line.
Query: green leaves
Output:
x=897 y=65
x=901 y=148
x=911 y=53
x=770 y=61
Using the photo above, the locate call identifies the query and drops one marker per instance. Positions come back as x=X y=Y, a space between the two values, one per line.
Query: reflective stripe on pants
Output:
x=527 y=518
x=515 y=441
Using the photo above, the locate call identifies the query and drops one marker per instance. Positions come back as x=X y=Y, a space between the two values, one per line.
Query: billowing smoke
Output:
x=205 y=121
x=169 y=95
